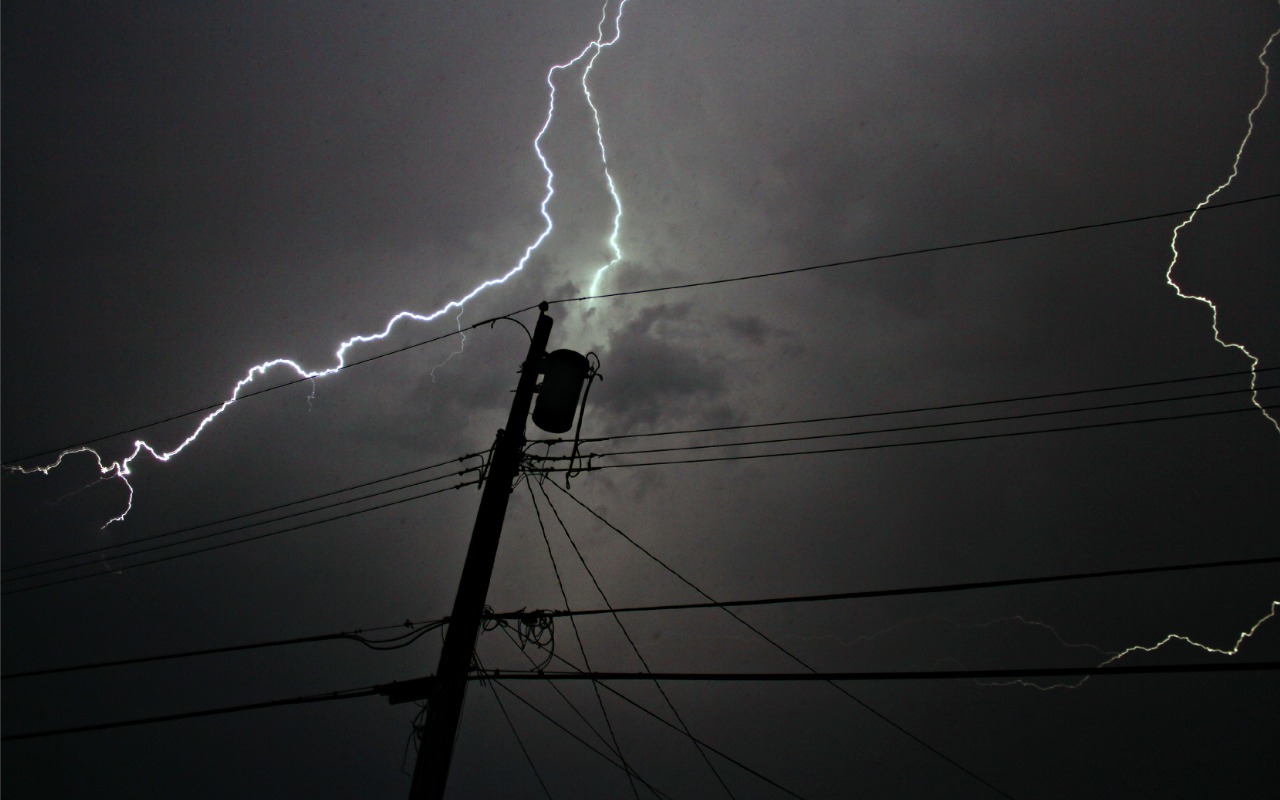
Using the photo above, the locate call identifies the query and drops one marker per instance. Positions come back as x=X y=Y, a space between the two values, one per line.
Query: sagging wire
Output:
x=506 y=631
x=655 y=790
x=475 y=654
x=580 y=715
x=529 y=462
x=493 y=322
x=650 y=713
x=535 y=628
x=635 y=649
x=416 y=631
x=780 y=648
x=417 y=724
x=617 y=748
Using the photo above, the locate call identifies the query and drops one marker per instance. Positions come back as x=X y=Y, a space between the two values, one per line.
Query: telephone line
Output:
x=499 y=676
x=889 y=445
x=256 y=392
x=929 y=425
x=718 y=281
x=918 y=251
x=236 y=529
x=859 y=701
x=415 y=630
x=582 y=741
x=166 y=534
x=919 y=409
x=899 y=592
x=224 y=520
x=555 y=656
x=883 y=675
x=239 y=541
x=342 y=694
x=757 y=601
x=627 y=635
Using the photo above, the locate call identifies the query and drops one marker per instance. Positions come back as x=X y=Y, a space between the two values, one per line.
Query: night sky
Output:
x=193 y=189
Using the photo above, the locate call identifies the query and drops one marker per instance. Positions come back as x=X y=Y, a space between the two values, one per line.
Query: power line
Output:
x=718 y=281
x=898 y=429
x=773 y=643
x=613 y=736
x=899 y=592
x=650 y=713
x=701 y=743
x=582 y=741
x=627 y=635
x=528 y=758
x=885 y=675
x=928 y=425
x=499 y=676
x=241 y=541
x=916 y=252
x=190 y=528
x=922 y=409
x=977 y=437
x=506 y=631
x=236 y=529
x=343 y=694
x=415 y=631
x=166 y=534
x=256 y=392
x=756 y=601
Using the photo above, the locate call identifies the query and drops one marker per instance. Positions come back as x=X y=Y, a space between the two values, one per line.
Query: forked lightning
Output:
x=123 y=468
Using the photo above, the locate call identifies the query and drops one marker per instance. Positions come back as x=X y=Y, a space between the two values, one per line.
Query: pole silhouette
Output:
x=444 y=709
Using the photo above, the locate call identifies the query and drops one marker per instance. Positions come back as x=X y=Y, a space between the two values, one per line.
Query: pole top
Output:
x=544 y=306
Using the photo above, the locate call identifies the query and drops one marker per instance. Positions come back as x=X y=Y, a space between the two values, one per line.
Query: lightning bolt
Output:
x=1178 y=637
x=604 y=157
x=1173 y=243
x=122 y=468
x=1233 y=650
x=461 y=347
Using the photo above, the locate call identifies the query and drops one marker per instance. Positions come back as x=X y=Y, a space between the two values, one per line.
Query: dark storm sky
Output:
x=189 y=190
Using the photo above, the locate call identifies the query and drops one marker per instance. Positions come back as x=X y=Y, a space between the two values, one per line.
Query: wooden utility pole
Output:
x=444 y=708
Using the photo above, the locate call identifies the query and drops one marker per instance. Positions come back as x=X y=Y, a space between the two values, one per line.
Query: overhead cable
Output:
x=902 y=591
x=718 y=281
x=613 y=736
x=627 y=635
x=264 y=390
x=119 y=545
x=917 y=251
x=519 y=741
x=499 y=676
x=343 y=694
x=923 y=409
x=889 y=445
x=669 y=724
x=255 y=538
x=755 y=601
x=789 y=654
x=551 y=654
x=885 y=675
x=415 y=631
x=583 y=742
x=923 y=426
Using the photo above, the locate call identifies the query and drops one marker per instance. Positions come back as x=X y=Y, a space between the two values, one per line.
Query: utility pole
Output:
x=431 y=772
